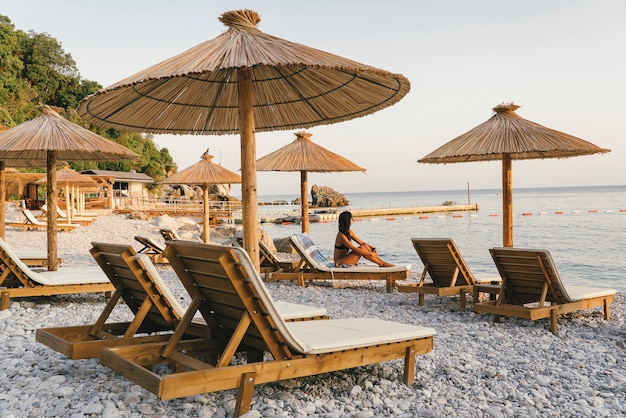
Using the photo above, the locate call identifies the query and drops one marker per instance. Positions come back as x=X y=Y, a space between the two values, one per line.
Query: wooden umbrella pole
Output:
x=52 y=208
x=304 y=196
x=3 y=198
x=249 y=210
x=507 y=201
x=68 y=202
x=205 y=200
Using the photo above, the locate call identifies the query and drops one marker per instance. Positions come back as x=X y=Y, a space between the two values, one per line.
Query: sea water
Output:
x=584 y=228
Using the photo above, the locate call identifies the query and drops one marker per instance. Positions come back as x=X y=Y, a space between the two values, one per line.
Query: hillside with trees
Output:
x=34 y=69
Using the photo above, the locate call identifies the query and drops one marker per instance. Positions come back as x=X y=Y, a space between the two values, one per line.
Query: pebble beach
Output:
x=477 y=369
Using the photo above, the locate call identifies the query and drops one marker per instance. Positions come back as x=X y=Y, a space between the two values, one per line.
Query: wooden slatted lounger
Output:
x=532 y=289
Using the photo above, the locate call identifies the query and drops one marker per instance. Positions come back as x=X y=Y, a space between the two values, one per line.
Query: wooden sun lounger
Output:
x=316 y=266
x=448 y=271
x=152 y=249
x=31 y=222
x=62 y=215
x=226 y=289
x=169 y=234
x=18 y=280
x=270 y=262
x=532 y=289
x=156 y=311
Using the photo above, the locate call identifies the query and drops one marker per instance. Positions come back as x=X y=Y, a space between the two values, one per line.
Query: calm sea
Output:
x=584 y=228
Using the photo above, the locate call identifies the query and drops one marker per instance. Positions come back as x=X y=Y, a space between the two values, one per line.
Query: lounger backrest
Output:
x=169 y=234
x=18 y=274
x=309 y=251
x=524 y=274
x=31 y=218
x=138 y=280
x=150 y=244
x=225 y=281
x=442 y=258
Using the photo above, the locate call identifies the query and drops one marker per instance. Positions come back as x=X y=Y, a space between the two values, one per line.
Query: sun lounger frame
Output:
x=447 y=268
x=530 y=280
x=224 y=287
x=324 y=269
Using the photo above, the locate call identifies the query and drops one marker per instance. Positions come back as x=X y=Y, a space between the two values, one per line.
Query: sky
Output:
x=562 y=61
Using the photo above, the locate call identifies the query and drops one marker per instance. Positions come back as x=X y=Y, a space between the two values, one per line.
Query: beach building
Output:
x=121 y=187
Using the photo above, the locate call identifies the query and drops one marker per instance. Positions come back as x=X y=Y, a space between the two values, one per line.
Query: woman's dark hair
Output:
x=344 y=223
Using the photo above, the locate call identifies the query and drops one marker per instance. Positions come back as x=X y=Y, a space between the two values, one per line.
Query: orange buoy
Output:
x=527 y=213
x=592 y=210
x=559 y=212
x=356 y=219
x=457 y=216
x=493 y=214
x=424 y=217
x=390 y=218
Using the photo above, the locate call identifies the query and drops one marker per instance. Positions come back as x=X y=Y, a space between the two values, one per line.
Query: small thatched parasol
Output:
x=66 y=177
x=506 y=136
x=244 y=81
x=204 y=172
x=304 y=155
x=50 y=137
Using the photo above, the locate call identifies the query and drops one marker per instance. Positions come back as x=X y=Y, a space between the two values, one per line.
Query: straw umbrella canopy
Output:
x=205 y=172
x=304 y=155
x=506 y=136
x=241 y=82
x=67 y=177
x=50 y=137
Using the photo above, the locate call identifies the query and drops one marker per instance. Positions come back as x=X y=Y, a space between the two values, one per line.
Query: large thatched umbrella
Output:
x=66 y=177
x=244 y=81
x=205 y=172
x=304 y=155
x=506 y=136
x=50 y=137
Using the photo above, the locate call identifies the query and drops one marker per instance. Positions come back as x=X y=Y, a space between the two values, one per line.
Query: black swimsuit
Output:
x=341 y=247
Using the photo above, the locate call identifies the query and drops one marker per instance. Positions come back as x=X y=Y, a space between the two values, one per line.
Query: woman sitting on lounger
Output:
x=346 y=253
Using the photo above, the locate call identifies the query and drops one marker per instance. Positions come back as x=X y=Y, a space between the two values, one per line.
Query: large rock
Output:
x=325 y=197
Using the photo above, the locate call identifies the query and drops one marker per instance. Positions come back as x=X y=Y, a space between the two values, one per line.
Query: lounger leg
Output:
x=421 y=299
x=409 y=366
x=244 y=394
x=4 y=304
x=462 y=300
x=553 y=321
x=390 y=283
x=607 y=311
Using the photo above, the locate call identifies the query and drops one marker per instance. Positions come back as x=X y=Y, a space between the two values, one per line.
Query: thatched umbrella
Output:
x=506 y=136
x=205 y=172
x=304 y=155
x=50 y=137
x=66 y=177
x=244 y=81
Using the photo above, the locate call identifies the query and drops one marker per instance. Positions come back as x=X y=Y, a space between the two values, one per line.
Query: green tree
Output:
x=35 y=69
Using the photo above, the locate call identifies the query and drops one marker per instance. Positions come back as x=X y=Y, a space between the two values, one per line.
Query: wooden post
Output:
x=507 y=201
x=52 y=209
x=249 y=199
x=3 y=198
x=205 y=227
x=304 y=196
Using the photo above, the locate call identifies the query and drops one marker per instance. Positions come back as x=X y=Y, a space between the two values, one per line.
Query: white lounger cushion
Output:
x=31 y=254
x=288 y=310
x=316 y=337
x=69 y=275
x=574 y=293
x=65 y=275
